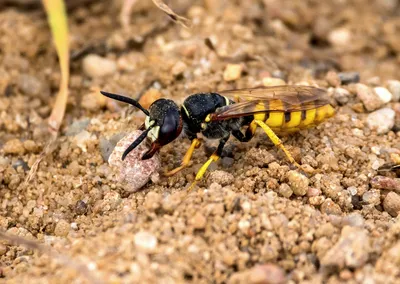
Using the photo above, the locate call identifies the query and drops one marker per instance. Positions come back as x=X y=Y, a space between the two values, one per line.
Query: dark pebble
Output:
x=349 y=77
x=21 y=163
x=80 y=207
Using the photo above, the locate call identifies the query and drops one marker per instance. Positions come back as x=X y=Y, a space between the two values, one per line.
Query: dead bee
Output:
x=277 y=109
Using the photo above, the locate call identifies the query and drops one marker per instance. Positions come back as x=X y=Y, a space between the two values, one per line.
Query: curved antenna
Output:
x=136 y=143
x=125 y=100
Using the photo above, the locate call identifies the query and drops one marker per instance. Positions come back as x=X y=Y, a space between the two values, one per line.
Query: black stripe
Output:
x=303 y=114
x=287 y=116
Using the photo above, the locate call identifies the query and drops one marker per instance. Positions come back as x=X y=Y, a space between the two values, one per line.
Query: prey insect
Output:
x=276 y=110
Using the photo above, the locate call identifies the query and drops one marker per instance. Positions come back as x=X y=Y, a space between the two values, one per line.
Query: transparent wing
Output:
x=287 y=98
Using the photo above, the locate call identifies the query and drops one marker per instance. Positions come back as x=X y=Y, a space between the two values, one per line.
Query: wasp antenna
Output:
x=125 y=100
x=135 y=143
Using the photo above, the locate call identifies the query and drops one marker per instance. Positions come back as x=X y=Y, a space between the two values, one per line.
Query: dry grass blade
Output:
x=179 y=19
x=62 y=259
x=57 y=18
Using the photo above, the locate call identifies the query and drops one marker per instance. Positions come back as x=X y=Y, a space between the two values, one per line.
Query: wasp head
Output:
x=163 y=124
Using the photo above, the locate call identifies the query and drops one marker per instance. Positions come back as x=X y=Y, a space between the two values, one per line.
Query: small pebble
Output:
x=285 y=190
x=394 y=88
x=111 y=201
x=329 y=207
x=349 y=77
x=259 y=157
x=221 y=177
x=372 y=197
x=312 y=191
x=351 y=250
x=152 y=201
x=340 y=37
x=149 y=97
x=145 y=242
x=353 y=220
x=383 y=94
x=30 y=85
x=387 y=183
x=178 y=68
x=62 y=228
x=341 y=95
x=14 y=146
x=3 y=249
x=233 y=72
x=83 y=139
x=77 y=126
x=270 y=81
x=370 y=100
x=199 y=221
x=333 y=79
x=381 y=120
x=133 y=171
x=96 y=66
x=31 y=146
x=21 y=163
x=260 y=274
x=298 y=183
x=391 y=203
x=81 y=207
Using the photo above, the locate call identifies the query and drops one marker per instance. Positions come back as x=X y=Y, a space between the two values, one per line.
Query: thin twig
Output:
x=167 y=10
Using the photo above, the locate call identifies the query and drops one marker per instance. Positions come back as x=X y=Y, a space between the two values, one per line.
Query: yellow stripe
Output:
x=310 y=116
x=295 y=119
x=260 y=116
x=323 y=113
x=276 y=119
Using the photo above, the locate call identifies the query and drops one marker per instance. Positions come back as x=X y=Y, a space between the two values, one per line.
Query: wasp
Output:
x=275 y=109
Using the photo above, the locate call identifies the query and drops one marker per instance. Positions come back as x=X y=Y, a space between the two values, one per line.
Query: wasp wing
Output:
x=286 y=98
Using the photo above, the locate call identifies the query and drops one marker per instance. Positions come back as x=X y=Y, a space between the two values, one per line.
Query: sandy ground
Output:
x=254 y=218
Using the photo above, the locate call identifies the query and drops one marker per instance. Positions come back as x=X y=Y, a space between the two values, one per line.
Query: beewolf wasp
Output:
x=276 y=109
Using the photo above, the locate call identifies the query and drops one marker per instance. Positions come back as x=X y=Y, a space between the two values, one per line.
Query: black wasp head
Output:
x=163 y=123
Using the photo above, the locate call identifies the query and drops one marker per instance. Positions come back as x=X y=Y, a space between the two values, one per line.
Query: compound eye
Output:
x=170 y=129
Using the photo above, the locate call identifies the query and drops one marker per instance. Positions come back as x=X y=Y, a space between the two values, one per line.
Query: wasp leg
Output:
x=213 y=158
x=250 y=131
x=186 y=159
x=275 y=139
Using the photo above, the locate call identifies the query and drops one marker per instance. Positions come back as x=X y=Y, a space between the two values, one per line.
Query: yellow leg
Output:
x=213 y=158
x=186 y=159
x=275 y=139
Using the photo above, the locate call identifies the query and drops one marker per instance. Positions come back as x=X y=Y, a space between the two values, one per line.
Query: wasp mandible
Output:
x=276 y=109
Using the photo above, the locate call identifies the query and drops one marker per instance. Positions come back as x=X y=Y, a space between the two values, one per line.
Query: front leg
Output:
x=186 y=159
x=213 y=158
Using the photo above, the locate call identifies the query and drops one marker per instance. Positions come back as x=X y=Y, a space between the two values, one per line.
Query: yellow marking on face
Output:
x=295 y=120
x=208 y=118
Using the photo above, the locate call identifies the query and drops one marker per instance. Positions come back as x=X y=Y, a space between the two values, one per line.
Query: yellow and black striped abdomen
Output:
x=295 y=118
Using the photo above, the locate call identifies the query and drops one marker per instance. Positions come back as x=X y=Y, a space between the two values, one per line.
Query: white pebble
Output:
x=96 y=66
x=340 y=37
x=381 y=120
x=145 y=241
x=383 y=94
x=394 y=87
